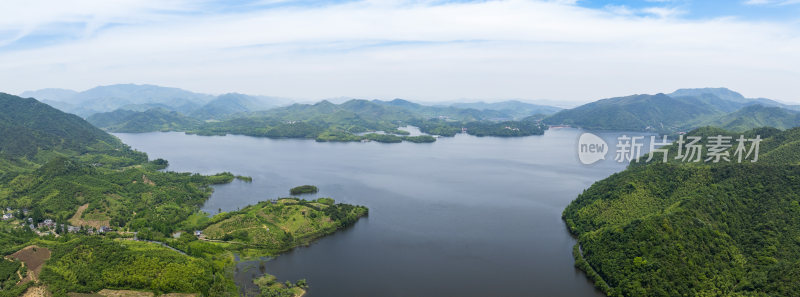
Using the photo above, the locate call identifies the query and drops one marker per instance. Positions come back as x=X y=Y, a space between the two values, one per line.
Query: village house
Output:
x=48 y=223
x=8 y=216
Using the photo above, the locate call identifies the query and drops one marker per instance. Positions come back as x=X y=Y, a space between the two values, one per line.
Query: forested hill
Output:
x=696 y=229
x=107 y=217
x=62 y=179
x=324 y=121
x=644 y=113
x=513 y=107
x=681 y=111
x=757 y=116
x=155 y=119
x=28 y=126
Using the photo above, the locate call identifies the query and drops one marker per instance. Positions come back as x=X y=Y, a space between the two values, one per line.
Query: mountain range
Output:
x=681 y=110
x=515 y=108
x=143 y=97
x=142 y=108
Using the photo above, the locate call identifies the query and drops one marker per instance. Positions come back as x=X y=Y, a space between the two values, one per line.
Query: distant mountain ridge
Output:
x=515 y=108
x=156 y=119
x=143 y=97
x=757 y=115
x=681 y=110
x=353 y=120
x=51 y=94
x=721 y=93
x=641 y=113
x=231 y=103
x=451 y=112
x=729 y=95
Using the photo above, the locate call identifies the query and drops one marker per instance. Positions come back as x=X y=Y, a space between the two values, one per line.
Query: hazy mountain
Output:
x=148 y=106
x=449 y=112
x=232 y=103
x=352 y=112
x=144 y=97
x=139 y=94
x=108 y=98
x=770 y=102
x=515 y=108
x=643 y=112
x=722 y=93
x=112 y=97
x=682 y=110
x=148 y=117
x=51 y=94
x=70 y=108
x=729 y=95
x=156 y=119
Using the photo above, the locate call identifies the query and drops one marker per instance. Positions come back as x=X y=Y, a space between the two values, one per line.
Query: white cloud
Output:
x=415 y=50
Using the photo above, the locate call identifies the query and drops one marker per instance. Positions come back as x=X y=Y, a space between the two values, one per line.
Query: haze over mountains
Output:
x=140 y=98
x=143 y=97
x=144 y=108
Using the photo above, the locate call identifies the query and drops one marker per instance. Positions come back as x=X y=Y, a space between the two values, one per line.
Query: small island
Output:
x=305 y=189
x=244 y=178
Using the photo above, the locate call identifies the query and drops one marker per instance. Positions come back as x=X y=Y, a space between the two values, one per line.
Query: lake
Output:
x=464 y=216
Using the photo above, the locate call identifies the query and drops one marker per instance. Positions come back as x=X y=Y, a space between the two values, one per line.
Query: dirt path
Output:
x=248 y=228
x=40 y=291
x=77 y=220
x=78 y=214
x=147 y=181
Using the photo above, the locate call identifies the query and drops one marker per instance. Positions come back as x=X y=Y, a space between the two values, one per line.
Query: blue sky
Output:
x=428 y=50
x=763 y=10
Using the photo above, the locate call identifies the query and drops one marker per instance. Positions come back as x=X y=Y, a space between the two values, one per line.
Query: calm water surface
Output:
x=464 y=216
